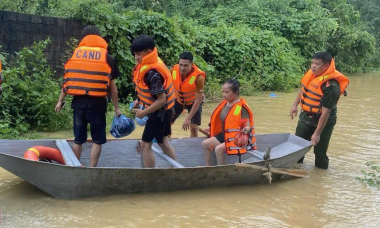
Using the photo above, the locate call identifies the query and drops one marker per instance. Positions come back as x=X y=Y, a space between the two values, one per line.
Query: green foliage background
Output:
x=266 y=44
x=30 y=94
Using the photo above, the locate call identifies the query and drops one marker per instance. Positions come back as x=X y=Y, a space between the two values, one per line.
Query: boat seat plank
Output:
x=256 y=154
x=67 y=153
x=284 y=149
x=172 y=162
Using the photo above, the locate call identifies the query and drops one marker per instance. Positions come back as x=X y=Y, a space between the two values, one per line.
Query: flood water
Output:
x=327 y=198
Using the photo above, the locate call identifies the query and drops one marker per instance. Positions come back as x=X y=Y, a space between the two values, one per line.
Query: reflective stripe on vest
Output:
x=87 y=72
x=232 y=126
x=186 y=89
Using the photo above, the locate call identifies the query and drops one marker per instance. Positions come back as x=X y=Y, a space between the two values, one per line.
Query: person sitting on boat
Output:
x=189 y=82
x=89 y=76
x=321 y=88
x=156 y=93
x=225 y=123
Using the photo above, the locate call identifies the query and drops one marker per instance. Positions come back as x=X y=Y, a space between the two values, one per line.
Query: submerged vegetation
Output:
x=266 y=44
x=371 y=176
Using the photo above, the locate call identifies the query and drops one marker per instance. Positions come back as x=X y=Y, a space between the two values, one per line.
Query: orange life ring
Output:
x=37 y=152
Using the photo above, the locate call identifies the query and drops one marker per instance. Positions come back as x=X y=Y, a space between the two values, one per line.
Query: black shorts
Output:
x=178 y=109
x=220 y=137
x=97 y=121
x=157 y=127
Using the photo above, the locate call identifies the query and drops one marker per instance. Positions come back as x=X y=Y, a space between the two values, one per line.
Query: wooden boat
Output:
x=120 y=168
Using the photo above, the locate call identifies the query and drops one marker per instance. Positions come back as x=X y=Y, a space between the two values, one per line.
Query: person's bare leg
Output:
x=95 y=154
x=220 y=152
x=208 y=146
x=193 y=130
x=147 y=154
x=167 y=148
x=77 y=149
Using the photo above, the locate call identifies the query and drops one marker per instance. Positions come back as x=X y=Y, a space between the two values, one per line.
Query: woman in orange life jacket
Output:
x=156 y=93
x=225 y=123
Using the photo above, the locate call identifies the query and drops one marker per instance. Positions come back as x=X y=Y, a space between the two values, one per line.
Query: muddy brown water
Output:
x=332 y=198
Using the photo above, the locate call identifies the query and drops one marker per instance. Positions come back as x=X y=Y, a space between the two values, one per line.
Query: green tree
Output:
x=350 y=44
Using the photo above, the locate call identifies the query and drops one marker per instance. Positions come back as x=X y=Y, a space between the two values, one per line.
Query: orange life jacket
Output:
x=87 y=72
x=312 y=93
x=186 y=89
x=232 y=126
x=149 y=62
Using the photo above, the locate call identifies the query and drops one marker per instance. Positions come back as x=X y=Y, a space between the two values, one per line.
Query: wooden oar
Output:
x=203 y=132
x=289 y=172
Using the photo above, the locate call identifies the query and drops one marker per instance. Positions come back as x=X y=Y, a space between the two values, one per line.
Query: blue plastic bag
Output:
x=122 y=126
x=273 y=95
x=131 y=105
x=140 y=121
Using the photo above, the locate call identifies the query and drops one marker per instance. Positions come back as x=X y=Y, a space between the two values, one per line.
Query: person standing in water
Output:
x=321 y=88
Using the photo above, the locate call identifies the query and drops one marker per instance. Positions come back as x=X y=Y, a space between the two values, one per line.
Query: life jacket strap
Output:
x=87 y=72
x=85 y=80
x=85 y=89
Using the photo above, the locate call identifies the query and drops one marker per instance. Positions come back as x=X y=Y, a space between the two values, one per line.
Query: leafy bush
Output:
x=307 y=28
x=213 y=90
x=30 y=94
x=372 y=176
x=260 y=57
x=71 y=44
x=3 y=57
x=265 y=43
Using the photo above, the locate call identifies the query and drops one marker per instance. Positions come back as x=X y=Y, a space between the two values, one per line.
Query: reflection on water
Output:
x=332 y=198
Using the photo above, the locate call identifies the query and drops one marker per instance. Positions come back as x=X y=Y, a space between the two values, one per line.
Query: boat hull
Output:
x=69 y=182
